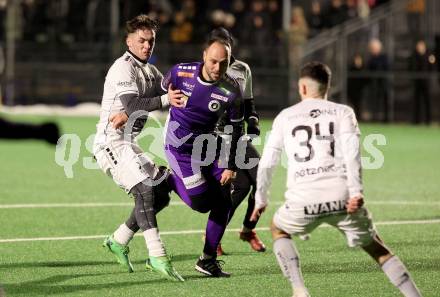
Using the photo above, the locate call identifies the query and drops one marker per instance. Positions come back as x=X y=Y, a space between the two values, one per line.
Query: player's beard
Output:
x=214 y=76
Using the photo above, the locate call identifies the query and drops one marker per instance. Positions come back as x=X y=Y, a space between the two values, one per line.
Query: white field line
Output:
x=184 y=232
x=179 y=203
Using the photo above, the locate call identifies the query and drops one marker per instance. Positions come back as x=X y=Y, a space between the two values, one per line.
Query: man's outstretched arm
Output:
x=269 y=160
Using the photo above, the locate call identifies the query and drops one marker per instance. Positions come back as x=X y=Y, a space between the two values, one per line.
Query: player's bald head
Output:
x=216 y=58
x=218 y=49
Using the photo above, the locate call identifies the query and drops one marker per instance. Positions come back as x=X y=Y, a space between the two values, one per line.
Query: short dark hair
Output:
x=140 y=22
x=220 y=33
x=319 y=72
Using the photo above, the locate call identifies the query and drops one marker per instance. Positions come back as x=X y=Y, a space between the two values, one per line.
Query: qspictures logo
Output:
x=69 y=146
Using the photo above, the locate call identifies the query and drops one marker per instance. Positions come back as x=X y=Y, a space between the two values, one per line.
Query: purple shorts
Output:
x=193 y=173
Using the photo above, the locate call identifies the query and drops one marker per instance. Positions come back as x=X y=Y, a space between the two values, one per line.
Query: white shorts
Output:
x=126 y=163
x=358 y=228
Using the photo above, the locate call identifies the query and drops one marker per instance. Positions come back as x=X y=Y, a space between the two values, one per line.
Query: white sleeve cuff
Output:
x=164 y=100
x=260 y=200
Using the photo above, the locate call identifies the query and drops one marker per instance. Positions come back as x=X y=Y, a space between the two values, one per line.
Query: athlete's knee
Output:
x=201 y=202
x=377 y=250
x=277 y=233
x=239 y=192
x=162 y=190
x=144 y=206
x=131 y=222
x=143 y=191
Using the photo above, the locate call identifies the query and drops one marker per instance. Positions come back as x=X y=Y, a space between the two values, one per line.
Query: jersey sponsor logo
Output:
x=314 y=113
x=188 y=85
x=124 y=84
x=214 y=105
x=219 y=97
x=318 y=170
x=193 y=181
x=325 y=207
x=187 y=67
x=299 y=115
x=185 y=74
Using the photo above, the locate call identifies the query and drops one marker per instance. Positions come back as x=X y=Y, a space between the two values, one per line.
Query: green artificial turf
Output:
x=404 y=190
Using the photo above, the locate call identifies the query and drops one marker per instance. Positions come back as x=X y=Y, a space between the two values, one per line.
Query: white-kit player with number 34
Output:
x=324 y=185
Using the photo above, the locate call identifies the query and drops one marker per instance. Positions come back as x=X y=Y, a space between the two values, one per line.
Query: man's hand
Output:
x=258 y=211
x=118 y=119
x=253 y=127
x=227 y=176
x=175 y=97
x=354 y=204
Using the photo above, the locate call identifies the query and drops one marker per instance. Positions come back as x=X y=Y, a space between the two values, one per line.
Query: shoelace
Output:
x=126 y=250
x=215 y=264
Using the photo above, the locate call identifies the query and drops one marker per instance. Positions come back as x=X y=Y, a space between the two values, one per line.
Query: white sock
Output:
x=154 y=243
x=288 y=259
x=123 y=234
x=396 y=271
x=246 y=230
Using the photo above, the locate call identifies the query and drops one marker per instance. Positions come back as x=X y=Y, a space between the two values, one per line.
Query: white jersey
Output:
x=127 y=75
x=242 y=73
x=321 y=140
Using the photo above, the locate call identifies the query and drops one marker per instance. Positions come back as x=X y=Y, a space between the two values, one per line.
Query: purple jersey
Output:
x=205 y=102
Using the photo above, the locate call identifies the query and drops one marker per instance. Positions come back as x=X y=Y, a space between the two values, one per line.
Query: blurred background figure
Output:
x=352 y=10
x=50 y=43
x=297 y=36
x=316 y=20
x=258 y=32
x=276 y=16
x=97 y=22
x=2 y=18
x=356 y=85
x=217 y=18
x=415 y=12
x=182 y=30
x=363 y=9
x=421 y=63
x=378 y=86
x=338 y=13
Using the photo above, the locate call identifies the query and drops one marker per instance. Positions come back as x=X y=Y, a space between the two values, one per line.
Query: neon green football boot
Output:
x=120 y=251
x=164 y=266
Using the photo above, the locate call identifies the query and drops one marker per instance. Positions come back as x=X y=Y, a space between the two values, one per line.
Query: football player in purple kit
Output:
x=245 y=183
x=200 y=176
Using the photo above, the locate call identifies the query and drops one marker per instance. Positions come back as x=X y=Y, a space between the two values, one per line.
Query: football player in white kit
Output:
x=132 y=84
x=324 y=184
